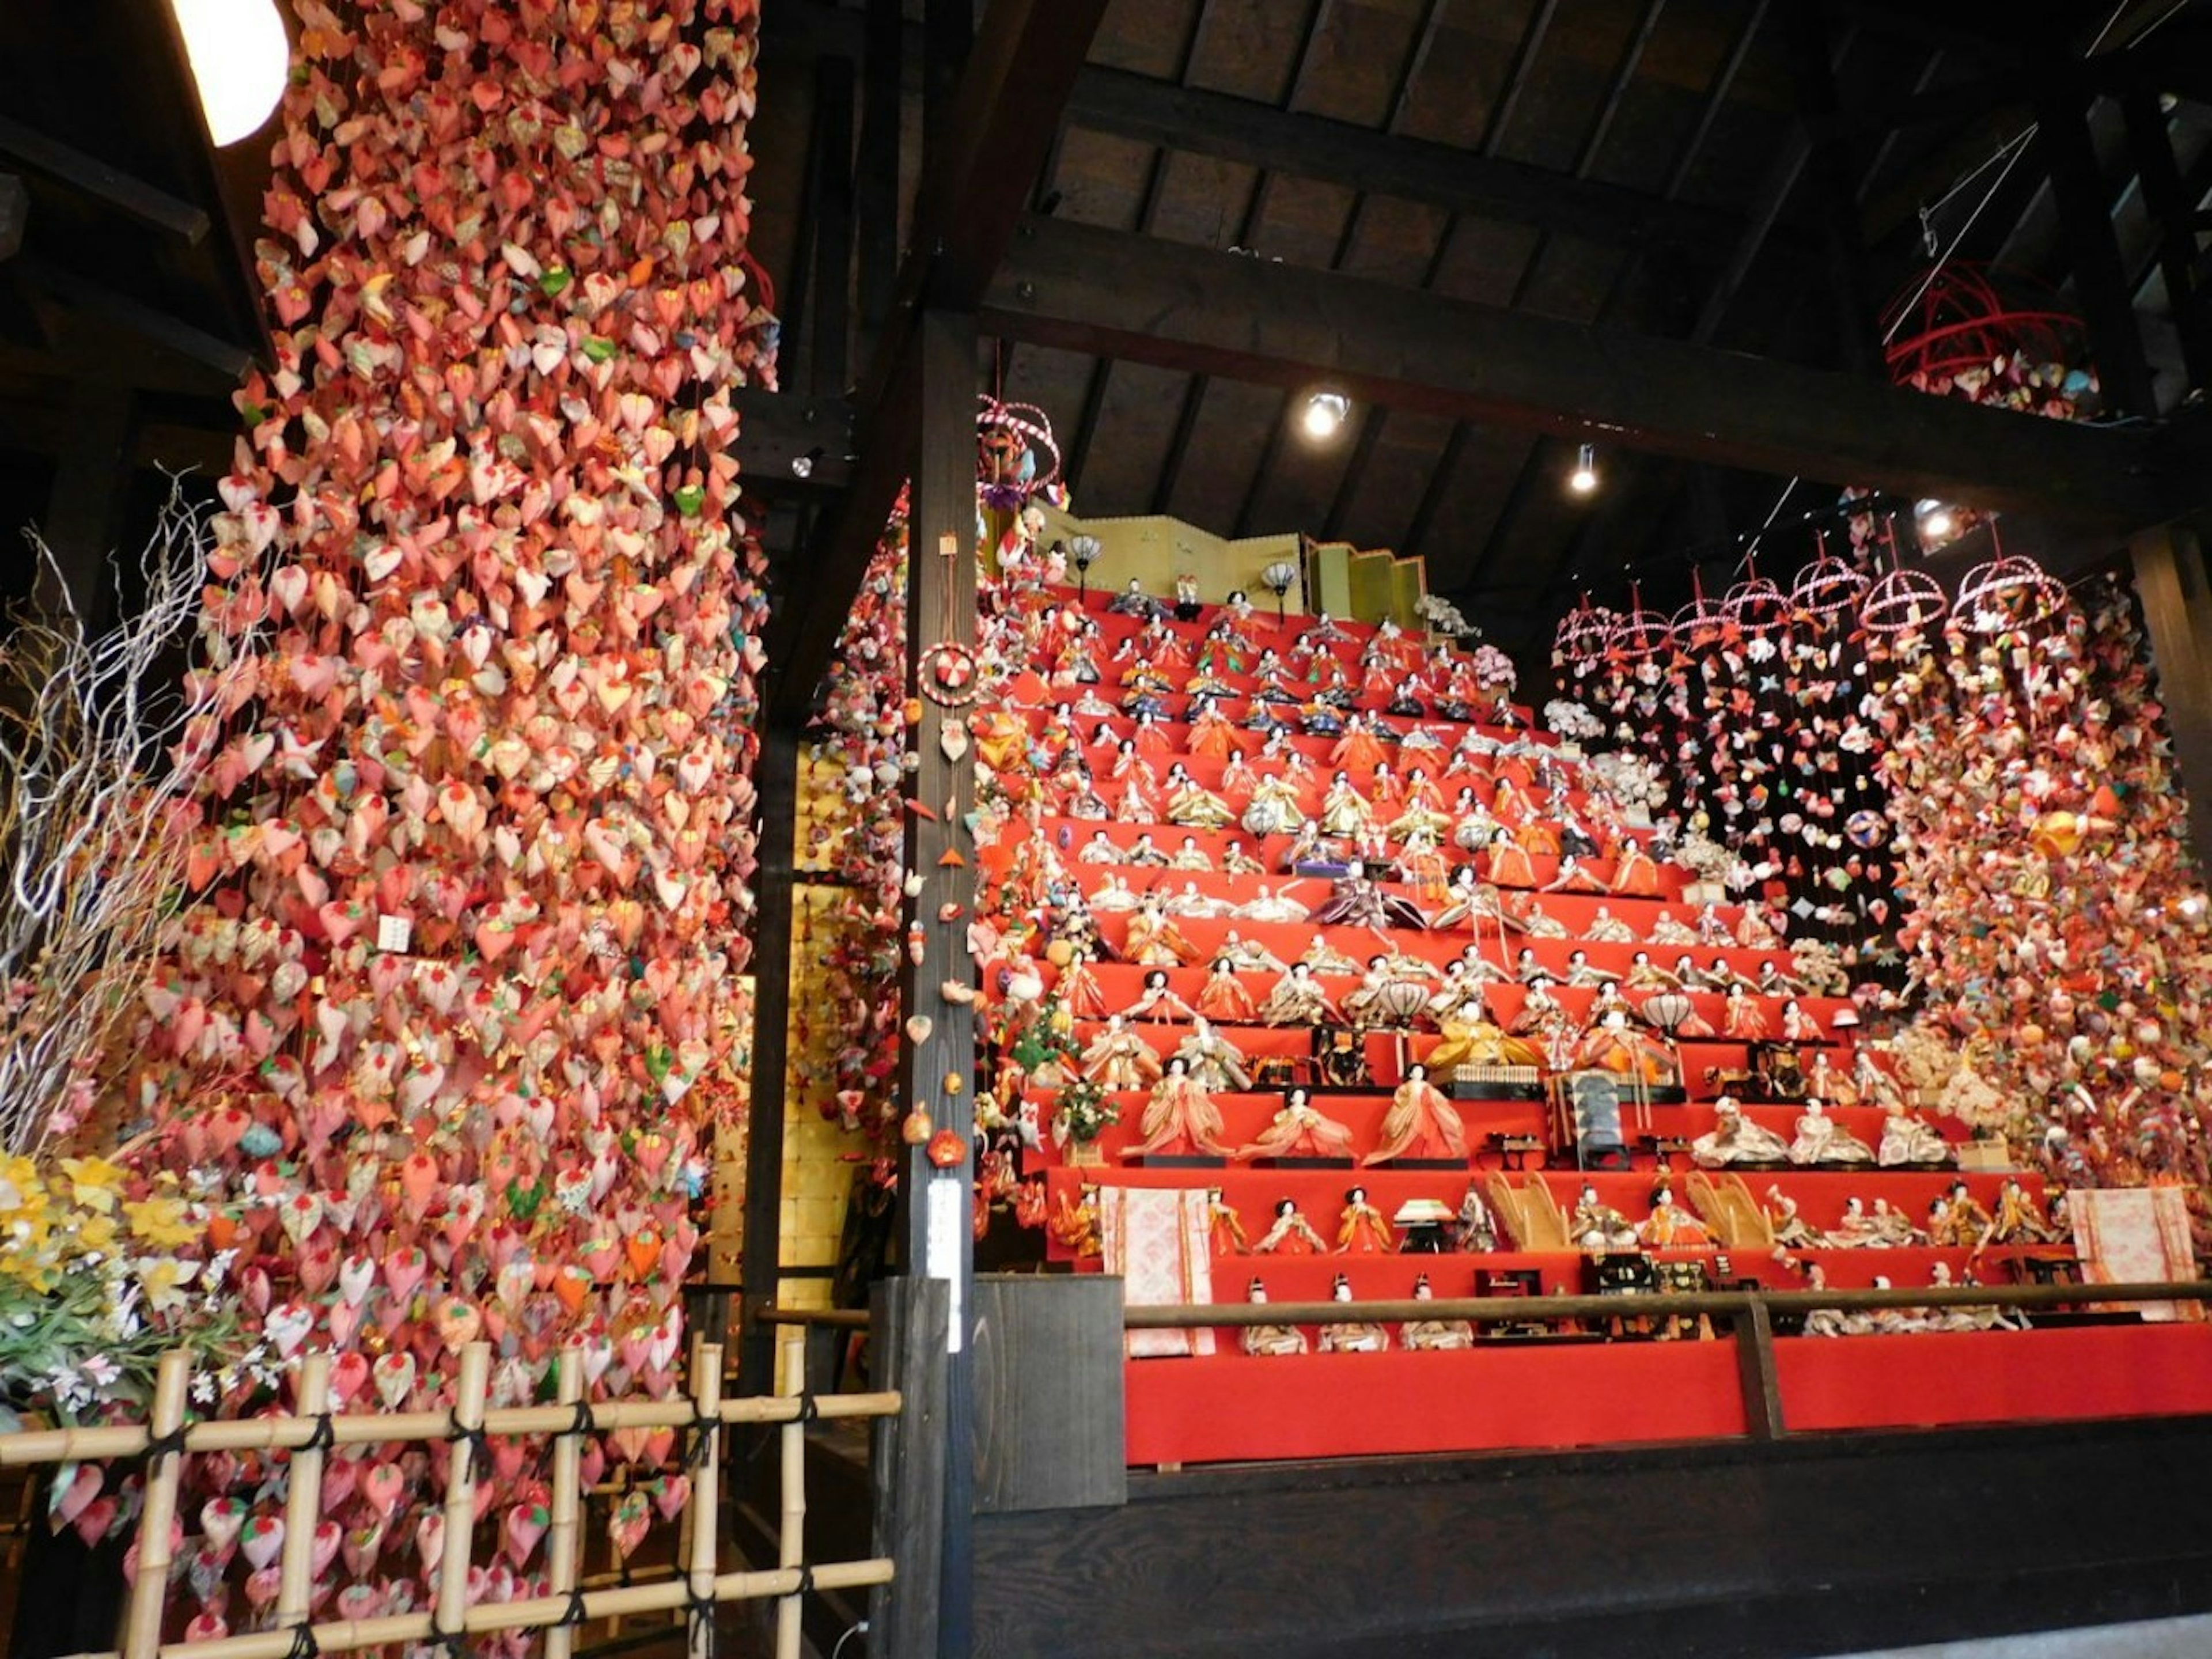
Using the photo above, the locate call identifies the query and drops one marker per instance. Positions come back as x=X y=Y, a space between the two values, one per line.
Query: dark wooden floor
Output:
x=1785 y=1551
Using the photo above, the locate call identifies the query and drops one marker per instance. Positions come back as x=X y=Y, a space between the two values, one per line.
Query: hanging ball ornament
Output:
x=2009 y=593
x=1827 y=589
x=1755 y=607
x=1584 y=632
x=1637 y=634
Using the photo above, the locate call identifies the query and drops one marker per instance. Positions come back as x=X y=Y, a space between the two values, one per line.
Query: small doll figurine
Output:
x=1434 y=1336
x=1223 y=1227
x=1360 y=1227
x=1419 y=1118
x=1223 y=998
x=1290 y=1234
x=1157 y=1000
x=1473 y=1229
x=1270 y=1341
x=1299 y=1131
x=1596 y=1228
x=1352 y=1335
x=1180 y=1113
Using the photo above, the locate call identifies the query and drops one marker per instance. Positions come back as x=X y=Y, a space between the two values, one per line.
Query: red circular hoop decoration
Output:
x=1032 y=427
x=1960 y=322
x=1827 y=588
x=1639 y=635
x=1902 y=602
x=1698 y=623
x=2008 y=593
x=1756 y=606
x=1584 y=634
x=949 y=676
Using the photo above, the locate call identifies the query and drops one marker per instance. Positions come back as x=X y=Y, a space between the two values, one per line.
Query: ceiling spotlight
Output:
x=1326 y=412
x=1584 y=478
x=1936 y=519
x=239 y=58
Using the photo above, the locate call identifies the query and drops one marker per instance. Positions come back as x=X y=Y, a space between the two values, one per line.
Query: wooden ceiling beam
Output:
x=90 y=176
x=1199 y=312
x=1369 y=160
x=984 y=156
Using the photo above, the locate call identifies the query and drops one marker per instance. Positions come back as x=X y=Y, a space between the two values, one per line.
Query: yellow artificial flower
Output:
x=95 y=1232
x=161 y=1223
x=21 y=1191
x=164 y=1282
x=94 y=1181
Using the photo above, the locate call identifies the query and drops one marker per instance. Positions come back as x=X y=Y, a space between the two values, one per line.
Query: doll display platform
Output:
x=1502 y=1393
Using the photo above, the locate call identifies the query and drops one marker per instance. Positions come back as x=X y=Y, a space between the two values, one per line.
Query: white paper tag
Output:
x=392 y=932
x=948 y=1214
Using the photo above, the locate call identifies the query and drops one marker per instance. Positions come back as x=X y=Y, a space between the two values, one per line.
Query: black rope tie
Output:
x=805 y=1582
x=698 y=1437
x=575 y=1614
x=323 y=1438
x=304 y=1645
x=810 y=1407
x=586 y=1421
x=171 y=1444
x=478 y=1441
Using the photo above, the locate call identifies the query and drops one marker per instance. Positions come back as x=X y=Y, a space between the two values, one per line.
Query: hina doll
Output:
x=1480 y=1041
x=1596 y=1227
x=1274 y=809
x=1473 y=828
x=1157 y=1000
x=1189 y=855
x=1907 y=1139
x=1735 y=1138
x=1420 y=1120
x=1270 y=906
x=1344 y=811
x=2016 y=1220
x=1225 y=1228
x=1742 y=1019
x=1236 y=861
x=1192 y=807
x=1078 y=988
x=1223 y=998
x=1605 y=928
x=1964 y=1222
x=1213 y=1062
x=1298 y=1131
x=1355 y=900
x=1297 y=1000
x=1821 y=1140
x=1634 y=874
x=1180 y=1115
x=1290 y=1234
x=1360 y=1227
x=1358 y=750
x=1352 y=1335
x=1153 y=940
x=1797 y=1025
x=1325 y=958
x=1614 y=1045
x=1510 y=864
x=1212 y=735
x=1434 y=1336
x=1670 y=1227
x=1119 y=1059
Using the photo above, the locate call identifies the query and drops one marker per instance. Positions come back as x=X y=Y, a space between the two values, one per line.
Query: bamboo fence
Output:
x=699 y=1587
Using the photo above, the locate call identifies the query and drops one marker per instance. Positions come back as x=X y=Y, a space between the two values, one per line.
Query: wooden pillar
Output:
x=937 y=1073
x=2173 y=211
x=833 y=228
x=1835 y=184
x=906 y=1463
x=2069 y=155
x=84 y=513
x=776 y=780
x=2171 y=582
x=876 y=176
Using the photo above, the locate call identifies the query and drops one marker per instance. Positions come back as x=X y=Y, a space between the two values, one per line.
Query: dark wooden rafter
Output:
x=1148 y=206
x=2067 y=153
x=1197 y=311
x=93 y=177
x=777 y=775
x=1006 y=107
x=1534 y=30
x=876 y=171
x=2172 y=213
x=1813 y=61
x=1518 y=496
x=1255 y=205
x=1367 y=423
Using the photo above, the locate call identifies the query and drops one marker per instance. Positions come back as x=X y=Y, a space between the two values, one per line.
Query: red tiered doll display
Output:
x=1318 y=911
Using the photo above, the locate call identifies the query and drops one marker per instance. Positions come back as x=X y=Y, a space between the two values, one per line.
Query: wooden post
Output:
x=84 y=509
x=451 y=1611
x=706 y=1506
x=776 y=778
x=938 y=1072
x=2172 y=583
x=2068 y=155
x=149 y=1591
x=564 y=1539
x=2166 y=199
x=791 y=1533
x=906 y=1464
x=1754 y=1333
x=303 y=1499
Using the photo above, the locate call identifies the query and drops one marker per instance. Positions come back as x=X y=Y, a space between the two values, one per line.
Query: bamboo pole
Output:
x=94 y=1445
x=790 y=1547
x=149 y=1590
x=537 y=1613
x=706 y=1494
x=303 y=1500
x=452 y=1606
x=564 y=1539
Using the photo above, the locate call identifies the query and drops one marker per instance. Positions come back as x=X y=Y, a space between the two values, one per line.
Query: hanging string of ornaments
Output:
x=437 y=1042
